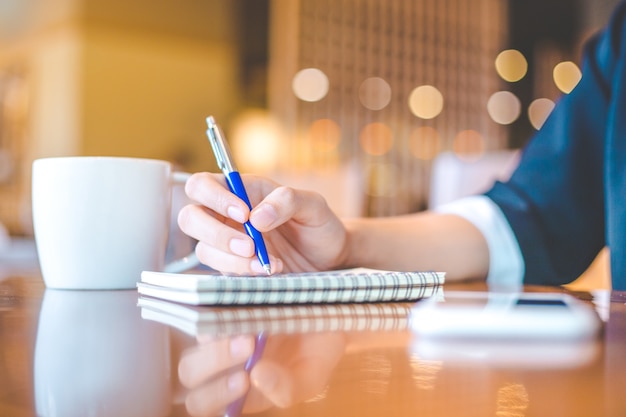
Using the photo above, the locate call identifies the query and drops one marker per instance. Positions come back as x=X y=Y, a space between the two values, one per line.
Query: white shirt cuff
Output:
x=506 y=264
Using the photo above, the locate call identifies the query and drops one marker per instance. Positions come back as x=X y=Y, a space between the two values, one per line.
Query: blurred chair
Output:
x=453 y=177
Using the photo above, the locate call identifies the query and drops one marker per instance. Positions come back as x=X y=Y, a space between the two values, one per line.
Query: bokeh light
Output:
x=566 y=76
x=256 y=140
x=325 y=135
x=375 y=93
x=424 y=143
x=511 y=65
x=504 y=107
x=539 y=110
x=468 y=145
x=426 y=102
x=376 y=139
x=310 y=84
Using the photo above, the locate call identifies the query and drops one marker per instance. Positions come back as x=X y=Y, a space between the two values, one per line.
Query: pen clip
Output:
x=220 y=147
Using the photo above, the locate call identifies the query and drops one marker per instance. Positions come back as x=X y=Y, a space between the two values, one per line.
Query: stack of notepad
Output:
x=358 y=285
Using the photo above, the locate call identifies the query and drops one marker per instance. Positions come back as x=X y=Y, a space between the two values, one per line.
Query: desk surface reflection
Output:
x=79 y=353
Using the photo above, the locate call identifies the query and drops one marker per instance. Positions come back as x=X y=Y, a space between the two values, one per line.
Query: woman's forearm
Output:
x=422 y=241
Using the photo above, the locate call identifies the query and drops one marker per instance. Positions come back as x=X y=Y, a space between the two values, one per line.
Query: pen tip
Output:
x=210 y=121
x=268 y=269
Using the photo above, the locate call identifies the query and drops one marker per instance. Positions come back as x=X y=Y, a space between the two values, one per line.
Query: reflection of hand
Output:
x=292 y=368
x=213 y=371
x=297 y=225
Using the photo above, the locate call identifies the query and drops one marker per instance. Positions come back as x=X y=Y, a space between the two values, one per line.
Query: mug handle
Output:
x=191 y=260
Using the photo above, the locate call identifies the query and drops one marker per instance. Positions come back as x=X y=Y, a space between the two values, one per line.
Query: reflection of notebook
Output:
x=358 y=285
x=195 y=320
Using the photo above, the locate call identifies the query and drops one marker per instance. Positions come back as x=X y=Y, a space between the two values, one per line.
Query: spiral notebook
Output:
x=358 y=285
x=293 y=319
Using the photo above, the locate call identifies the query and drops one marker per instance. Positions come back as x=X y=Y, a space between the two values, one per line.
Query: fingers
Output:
x=220 y=246
x=216 y=222
x=212 y=398
x=210 y=190
x=213 y=371
x=213 y=357
x=199 y=223
x=278 y=203
x=216 y=225
x=299 y=371
x=234 y=260
x=284 y=204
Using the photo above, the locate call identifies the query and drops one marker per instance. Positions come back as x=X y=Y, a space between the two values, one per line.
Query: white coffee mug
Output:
x=100 y=221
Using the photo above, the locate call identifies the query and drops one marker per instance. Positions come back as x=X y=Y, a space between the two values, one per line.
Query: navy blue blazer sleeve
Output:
x=555 y=200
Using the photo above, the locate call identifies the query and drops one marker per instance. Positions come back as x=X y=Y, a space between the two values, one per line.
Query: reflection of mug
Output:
x=100 y=221
x=95 y=356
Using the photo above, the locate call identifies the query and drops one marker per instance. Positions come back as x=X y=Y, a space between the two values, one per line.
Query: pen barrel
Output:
x=236 y=187
x=259 y=243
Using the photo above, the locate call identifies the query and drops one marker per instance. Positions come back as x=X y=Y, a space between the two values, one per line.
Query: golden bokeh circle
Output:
x=426 y=102
x=511 y=65
x=566 y=76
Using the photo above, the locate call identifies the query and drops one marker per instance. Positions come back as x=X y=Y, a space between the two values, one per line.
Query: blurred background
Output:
x=378 y=104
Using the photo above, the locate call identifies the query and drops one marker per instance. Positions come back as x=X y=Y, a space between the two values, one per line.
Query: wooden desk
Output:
x=81 y=351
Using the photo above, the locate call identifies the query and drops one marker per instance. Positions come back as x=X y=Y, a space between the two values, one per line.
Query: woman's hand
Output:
x=291 y=369
x=213 y=373
x=300 y=231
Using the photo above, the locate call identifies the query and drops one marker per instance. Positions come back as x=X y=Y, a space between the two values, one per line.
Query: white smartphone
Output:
x=505 y=316
x=521 y=330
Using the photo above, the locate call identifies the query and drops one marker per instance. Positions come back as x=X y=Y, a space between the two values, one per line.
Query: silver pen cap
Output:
x=220 y=146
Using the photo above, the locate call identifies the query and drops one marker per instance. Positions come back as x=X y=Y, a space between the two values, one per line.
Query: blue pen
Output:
x=226 y=164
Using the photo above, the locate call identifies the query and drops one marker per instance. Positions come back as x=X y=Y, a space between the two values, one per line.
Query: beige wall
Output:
x=53 y=77
x=147 y=95
x=112 y=77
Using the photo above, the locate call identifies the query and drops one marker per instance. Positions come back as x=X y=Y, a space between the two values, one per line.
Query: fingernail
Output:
x=241 y=247
x=236 y=214
x=265 y=215
x=241 y=347
x=256 y=267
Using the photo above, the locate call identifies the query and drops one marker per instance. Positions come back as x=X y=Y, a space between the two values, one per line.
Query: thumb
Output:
x=285 y=203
